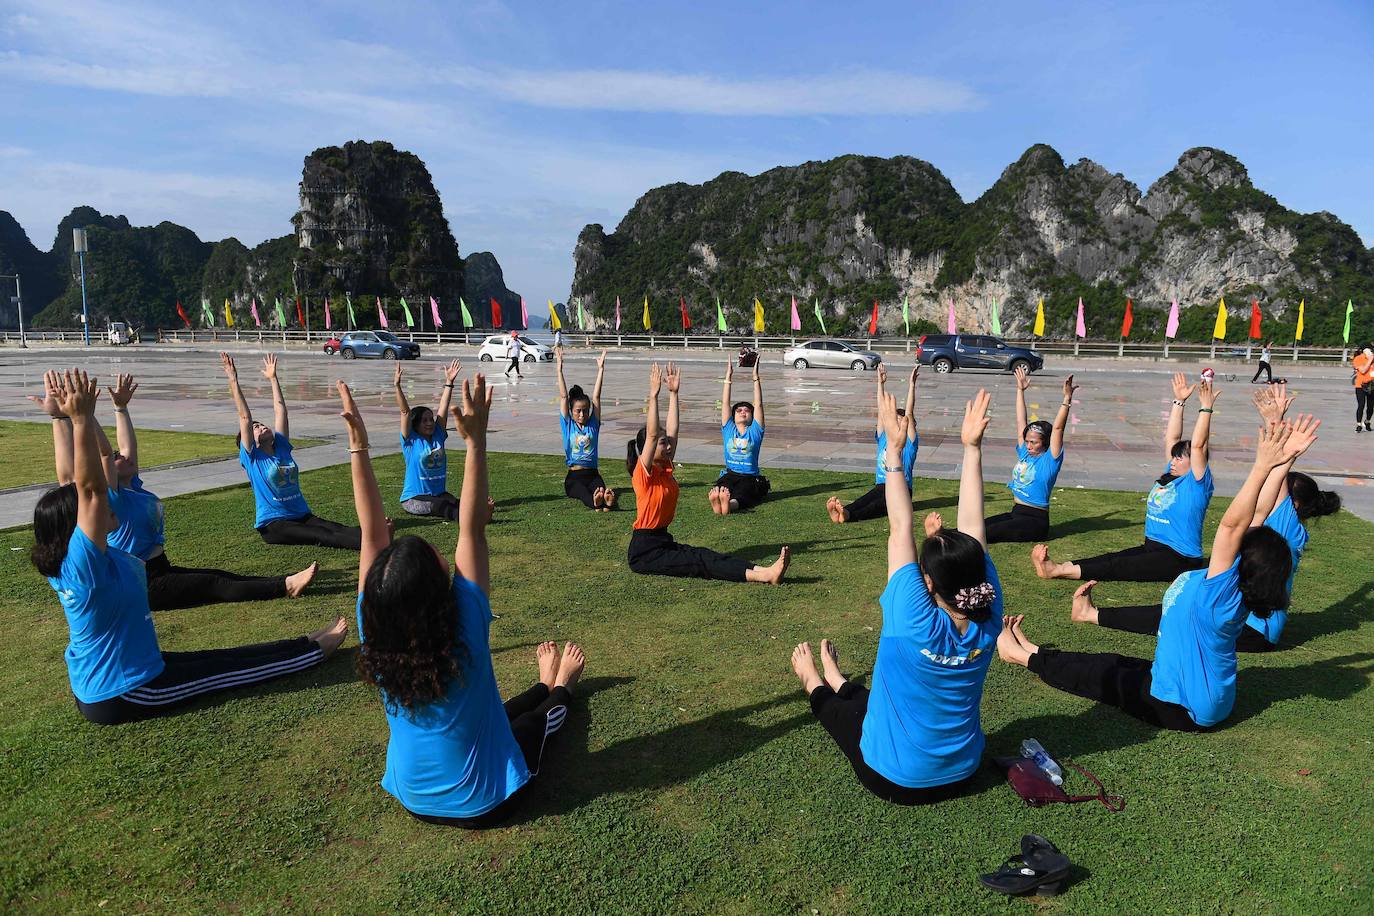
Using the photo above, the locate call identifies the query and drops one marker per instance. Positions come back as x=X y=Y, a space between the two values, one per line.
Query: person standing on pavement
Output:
x=513 y=351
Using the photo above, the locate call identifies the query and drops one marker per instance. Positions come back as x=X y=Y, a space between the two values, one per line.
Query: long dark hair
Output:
x=957 y=566
x=1265 y=564
x=1309 y=500
x=416 y=415
x=54 y=520
x=634 y=448
x=1044 y=428
x=411 y=647
x=575 y=394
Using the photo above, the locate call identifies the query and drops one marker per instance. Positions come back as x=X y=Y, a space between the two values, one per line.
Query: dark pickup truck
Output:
x=947 y=352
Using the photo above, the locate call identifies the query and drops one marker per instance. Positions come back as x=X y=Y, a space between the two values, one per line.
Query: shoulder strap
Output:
x=1110 y=802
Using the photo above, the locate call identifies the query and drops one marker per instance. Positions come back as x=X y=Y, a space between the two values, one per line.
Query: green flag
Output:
x=906 y=314
x=207 y=316
x=348 y=299
x=410 y=322
x=1349 y=307
x=996 y=321
x=467 y=316
x=720 y=317
x=820 y=318
x=281 y=315
x=581 y=323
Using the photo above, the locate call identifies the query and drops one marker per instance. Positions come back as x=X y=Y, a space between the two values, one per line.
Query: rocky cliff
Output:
x=483 y=281
x=855 y=229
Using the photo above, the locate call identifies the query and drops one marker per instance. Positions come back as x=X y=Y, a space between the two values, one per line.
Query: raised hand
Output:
x=601 y=360
x=396 y=376
x=77 y=393
x=882 y=374
x=1208 y=393
x=269 y=366
x=1272 y=443
x=451 y=371
x=357 y=432
x=673 y=377
x=48 y=402
x=1022 y=378
x=730 y=370
x=1272 y=402
x=894 y=426
x=123 y=391
x=976 y=419
x=472 y=416
x=655 y=380
x=1182 y=390
x=1070 y=388
x=758 y=361
x=1304 y=434
x=558 y=356
x=227 y=363
x=915 y=373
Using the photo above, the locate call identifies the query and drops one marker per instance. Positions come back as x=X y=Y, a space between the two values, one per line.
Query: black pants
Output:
x=535 y=716
x=514 y=364
x=1144 y=618
x=841 y=714
x=191 y=675
x=1117 y=680
x=582 y=483
x=444 y=505
x=1268 y=373
x=1364 y=404
x=746 y=489
x=312 y=531
x=871 y=505
x=1021 y=524
x=172 y=587
x=1148 y=562
x=653 y=552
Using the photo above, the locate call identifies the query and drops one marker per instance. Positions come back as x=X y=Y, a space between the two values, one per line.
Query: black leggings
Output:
x=841 y=714
x=1117 y=680
x=190 y=675
x=535 y=716
x=1148 y=562
x=312 y=531
x=1144 y=618
x=444 y=505
x=582 y=483
x=653 y=552
x=514 y=364
x=871 y=505
x=746 y=489
x=1264 y=367
x=1021 y=524
x=1364 y=403
x=172 y=587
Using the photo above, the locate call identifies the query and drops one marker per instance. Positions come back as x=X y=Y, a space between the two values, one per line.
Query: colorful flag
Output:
x=381 y=313
x=1127 y=321
x=647 y=325
x=686 y=322
x=1255 y=318
x=617 y=313
x=182 y=312
x=1081 y=328
x=328 y=319
x=1302 y=313
x=820 y=319
x=581 y=319
x=433 y=308
x=524 y=314
x=758 y=316
x=1040 y=318
x=1219 y=329
x=906 y=313
x=554 y=323
x=495 y=312
x=720 y=317
x=253 y=310
x=410 y=320
x=348 y=300
x=953 y=327
x=873 y=322
x=1349 y=310
x=1171 y=328
x=796 y=319
x=996 y=319
x=207 y=316
x=281 y=314
x=467 y=316
x=228 y=315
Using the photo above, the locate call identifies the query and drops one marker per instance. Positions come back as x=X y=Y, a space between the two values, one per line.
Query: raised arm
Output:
x=901 y=543
x=1061 y=419
x=107 y=459
x=1022 y=383
x=76 y=397
x=61 y=427
x=673 y=377
x=726 y=414
x=1207 y=397
x=231 y=372
x=911 y=401
x=882 y=392
x=758 y=392
x=120 y=395
x=1173 y=430
x=562 y=383
x=472 y=556
x=976 y=419
x=451 y=372
x=596 y=389
x=367 y=499
x=1272 y=403
x=280 y=418
x=402 y=404
x=651 y=424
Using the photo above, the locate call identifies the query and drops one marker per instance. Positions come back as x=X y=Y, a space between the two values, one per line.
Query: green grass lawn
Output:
x=690 y=777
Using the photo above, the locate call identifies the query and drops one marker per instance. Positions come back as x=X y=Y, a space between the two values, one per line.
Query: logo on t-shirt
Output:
x=284 y=476
x=1024 y=473
x=1161 y=497
x=952 y=660
x=432 y=458
x=741 y=447
x=1173 y=591
x=582 y=443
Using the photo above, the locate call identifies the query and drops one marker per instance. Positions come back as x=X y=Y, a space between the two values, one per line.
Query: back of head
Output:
x=411 y=648
x=633 y=449
x=957 y=566
x=54 y=520
x=1265 y=564
x=1310 y=501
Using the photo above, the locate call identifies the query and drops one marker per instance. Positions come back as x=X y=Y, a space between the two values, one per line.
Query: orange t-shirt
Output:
x=1364 y=369
x=655 y=496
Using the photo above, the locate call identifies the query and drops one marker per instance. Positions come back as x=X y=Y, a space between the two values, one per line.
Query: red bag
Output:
x=1037 y=790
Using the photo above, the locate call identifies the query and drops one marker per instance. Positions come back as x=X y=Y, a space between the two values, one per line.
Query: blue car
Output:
x=947 y=352
x=378 y=345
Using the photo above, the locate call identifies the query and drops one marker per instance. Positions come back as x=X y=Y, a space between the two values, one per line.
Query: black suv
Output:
x=947 y=352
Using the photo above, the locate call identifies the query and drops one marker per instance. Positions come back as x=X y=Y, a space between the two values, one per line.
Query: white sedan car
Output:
x=831 y=354
x=496 y=348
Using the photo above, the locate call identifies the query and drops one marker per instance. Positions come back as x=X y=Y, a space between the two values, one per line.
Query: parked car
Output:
x=494 y=348
x=832 y=354
x=947 y=352
x=377 y=344
x=118 y=333
x=331 y=346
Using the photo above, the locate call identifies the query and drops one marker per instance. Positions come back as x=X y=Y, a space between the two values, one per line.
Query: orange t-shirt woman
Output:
x=1363 y=364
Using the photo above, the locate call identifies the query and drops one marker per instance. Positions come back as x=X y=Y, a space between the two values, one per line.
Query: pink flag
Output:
x=434 y=309
x=1172 y=327
x=524 y=315
x=617 y=313
x=953 y=328
x=326 y=313
x=1082 y=329
x=257 y=322
x=381 y=315
x=796 y=319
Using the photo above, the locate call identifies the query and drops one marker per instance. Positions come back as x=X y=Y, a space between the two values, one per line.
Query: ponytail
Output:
x=1309 y=500
x=633 y=449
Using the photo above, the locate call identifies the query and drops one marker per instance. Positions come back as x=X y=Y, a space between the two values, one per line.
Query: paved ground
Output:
x=816 y=418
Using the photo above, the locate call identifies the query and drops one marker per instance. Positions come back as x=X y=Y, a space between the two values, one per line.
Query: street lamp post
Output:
x=18 y=301
x=79 y=245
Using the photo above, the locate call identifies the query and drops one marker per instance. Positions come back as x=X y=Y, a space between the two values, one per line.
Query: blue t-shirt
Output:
x=1033 y=477
x=1195 y=660
x=140 y=520
x=580 y=442
x=742 y=448
x=456 y=757
x=426 y=464
x=909 y=450
x=275 y=479
x=112 y=646
x=1174 y=512
x=1284 y=519
x=922 y=726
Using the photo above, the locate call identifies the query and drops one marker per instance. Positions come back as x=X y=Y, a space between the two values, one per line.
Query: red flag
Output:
x=1127 y=321
x=686 y=322
x=495 y=314
x=182 y=312
x=1255 y=332
x=300 y=316
x=873 y=322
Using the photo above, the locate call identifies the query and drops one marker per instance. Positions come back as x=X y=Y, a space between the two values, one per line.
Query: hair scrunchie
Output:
x=975 y=598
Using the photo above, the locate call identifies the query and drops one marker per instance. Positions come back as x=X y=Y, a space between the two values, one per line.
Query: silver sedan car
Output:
x=831 y=354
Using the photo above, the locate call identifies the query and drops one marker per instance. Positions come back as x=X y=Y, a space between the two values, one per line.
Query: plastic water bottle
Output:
x=1032 y=749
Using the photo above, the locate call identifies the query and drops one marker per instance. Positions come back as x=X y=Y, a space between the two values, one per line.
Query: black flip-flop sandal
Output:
x=1040 y=869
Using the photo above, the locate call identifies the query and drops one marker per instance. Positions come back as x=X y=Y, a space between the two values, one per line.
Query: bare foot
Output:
x=805 y=667
x=297 y=583
x=598 y=498
x=830 y=662
x=491 y=508
x=835 y=508
x=610 y=498
x=1009 y=648
x=713 y=495
x=933 y=523
x=331 y=637
x=773 y=574
x=1040 y=556
x=547 y=657
x=570 y=667
x=1084 y=611
x=728 y=505
x=1030 y=647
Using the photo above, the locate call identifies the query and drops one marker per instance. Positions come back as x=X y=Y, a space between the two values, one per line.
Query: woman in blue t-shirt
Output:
x=423 y=434
x=1174 y=509
x=140 y=530
x=580 y=421
x=282 y=516
x=1039 y=456
x=456 y=754
x=740 y=486
x=873 y=504
x=1191 y=684
x=116 y=670
x=915 y=737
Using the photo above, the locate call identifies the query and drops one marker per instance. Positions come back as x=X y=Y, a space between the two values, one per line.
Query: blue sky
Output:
x=537 y=118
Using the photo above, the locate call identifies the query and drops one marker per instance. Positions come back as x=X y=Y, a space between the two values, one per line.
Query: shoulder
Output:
x=281 y=442
x=471 y=600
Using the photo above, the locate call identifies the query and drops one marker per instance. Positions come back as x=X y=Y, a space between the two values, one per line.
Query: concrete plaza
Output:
x=816 y=418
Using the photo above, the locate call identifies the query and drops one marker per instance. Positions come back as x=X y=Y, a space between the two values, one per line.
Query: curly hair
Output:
x=411 y=646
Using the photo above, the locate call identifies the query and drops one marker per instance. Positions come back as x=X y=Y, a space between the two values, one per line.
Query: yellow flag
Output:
x=228 y=315
x=1302 y=308
x=758 y=316
x=646 y=313
x=554 y=323
x=1040 y=319
x=1219 y=330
